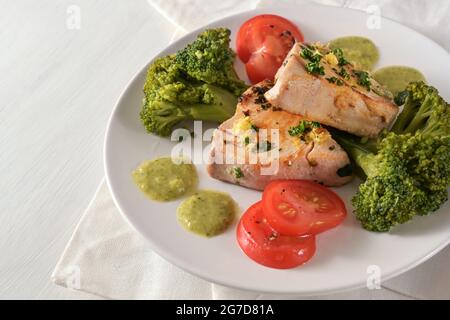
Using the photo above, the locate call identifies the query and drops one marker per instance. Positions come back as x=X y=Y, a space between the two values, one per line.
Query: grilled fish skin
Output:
x=348 y=106
x=312 y=156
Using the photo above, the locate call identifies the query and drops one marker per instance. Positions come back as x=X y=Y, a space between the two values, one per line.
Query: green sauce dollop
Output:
x=207 y=213
x=360 y=51
x=162 y=179
x=396 y=78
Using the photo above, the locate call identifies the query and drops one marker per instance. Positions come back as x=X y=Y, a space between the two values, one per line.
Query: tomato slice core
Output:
x=263 y=244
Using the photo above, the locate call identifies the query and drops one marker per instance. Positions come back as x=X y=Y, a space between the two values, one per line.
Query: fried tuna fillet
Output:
x=286 y=145
x=322 y=86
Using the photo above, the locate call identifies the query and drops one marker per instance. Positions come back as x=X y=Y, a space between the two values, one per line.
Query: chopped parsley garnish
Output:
x=303 y=127
x=363 y=78
x=259 y=90
x=400 y=98
x=238 y=173
x=340 y=56
x=315 y=68
x=260 y=99
x=314 y=57
x=264 y=146
x=335 y=80
x=343 y=73
x=246 y=140
x=310 y=55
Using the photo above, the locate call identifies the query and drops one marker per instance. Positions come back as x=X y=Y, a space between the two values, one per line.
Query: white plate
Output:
x=344 y=255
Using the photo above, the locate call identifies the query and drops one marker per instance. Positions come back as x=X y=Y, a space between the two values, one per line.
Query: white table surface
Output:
x=57 y=89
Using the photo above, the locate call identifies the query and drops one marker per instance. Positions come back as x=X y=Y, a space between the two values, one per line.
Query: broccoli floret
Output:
x=424 y=111
x=433 y=200
x=171 y=99
x=210 y=59
x=428 y=159
x=179 y=89
x=426 y=117
x=386 y=200
x=159 y=116
x=389 y=195
x=407 y=170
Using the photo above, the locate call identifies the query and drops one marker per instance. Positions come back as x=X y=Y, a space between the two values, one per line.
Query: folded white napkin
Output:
x=431 y=18
x=106 y=257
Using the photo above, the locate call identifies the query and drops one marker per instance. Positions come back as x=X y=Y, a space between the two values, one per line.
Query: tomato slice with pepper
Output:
x=263 y=42
x=260 y=67
x=263 y=244
x=296 y=207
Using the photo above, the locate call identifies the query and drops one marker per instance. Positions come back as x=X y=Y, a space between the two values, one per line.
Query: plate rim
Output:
x=172 y=259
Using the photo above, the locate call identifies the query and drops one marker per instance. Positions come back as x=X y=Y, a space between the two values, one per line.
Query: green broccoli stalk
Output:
x=406 y=170
x=197 y=83
x=210 y=59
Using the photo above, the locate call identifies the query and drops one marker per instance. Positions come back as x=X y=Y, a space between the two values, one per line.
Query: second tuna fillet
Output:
x=319 y=87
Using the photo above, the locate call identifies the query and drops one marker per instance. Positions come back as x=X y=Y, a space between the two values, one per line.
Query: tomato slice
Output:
x=263 y=244
x=269 y=37
x=296 y=207
x=253 y=33
x=261 y=66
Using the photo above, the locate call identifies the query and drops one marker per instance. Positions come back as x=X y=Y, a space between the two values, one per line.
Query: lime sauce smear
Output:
x=360 y=51
x=207 y=213
x=396 y=78
x=165 y=179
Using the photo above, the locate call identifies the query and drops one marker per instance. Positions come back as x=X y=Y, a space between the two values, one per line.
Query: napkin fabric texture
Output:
x=432 y=18
x=108 y=258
